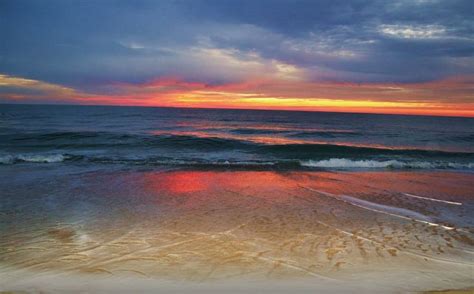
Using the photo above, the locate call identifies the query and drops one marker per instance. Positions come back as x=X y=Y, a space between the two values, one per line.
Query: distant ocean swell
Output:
x=181 y=150
x=81 y=140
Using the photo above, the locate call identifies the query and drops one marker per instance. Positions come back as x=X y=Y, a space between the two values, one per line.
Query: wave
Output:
x=281 y=164
x=84 y=140
x=35 y=158
x=296 y=133
x=150 y=160
x=342 y=163
x=191 y=150
x=323 y=151
x=324 y=134
x=80 y=140
x=200 y=163
x=256 y=131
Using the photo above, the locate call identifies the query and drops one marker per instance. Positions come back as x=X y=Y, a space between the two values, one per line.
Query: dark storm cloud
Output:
x=88 y=43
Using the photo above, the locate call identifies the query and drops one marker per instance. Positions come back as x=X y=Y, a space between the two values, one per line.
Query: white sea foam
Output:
x=42 y=158
x=348 y=163
x=384 y=209
x=37 y=158
x=432 y=199
x=392 y=210
x=217 y=163
x=7 y=159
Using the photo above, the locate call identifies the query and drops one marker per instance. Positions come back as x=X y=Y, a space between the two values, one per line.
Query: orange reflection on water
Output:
x=263 y=188
x=277 y=140
x=178 y=182
x=222 y=186
x=270 y=139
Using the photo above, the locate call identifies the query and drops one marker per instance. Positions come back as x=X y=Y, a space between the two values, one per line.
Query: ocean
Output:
x=135 y=199
x=139 y=136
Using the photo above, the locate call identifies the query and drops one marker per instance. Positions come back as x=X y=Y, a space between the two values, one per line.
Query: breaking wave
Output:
x=342 y=163
x=330 y=163
x=36 y=158
x=209 y=151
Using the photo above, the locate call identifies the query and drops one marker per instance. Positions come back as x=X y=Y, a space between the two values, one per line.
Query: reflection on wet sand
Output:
x=219 y=225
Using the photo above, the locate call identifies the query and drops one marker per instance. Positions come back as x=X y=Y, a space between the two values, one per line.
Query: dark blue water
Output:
x=138 y=136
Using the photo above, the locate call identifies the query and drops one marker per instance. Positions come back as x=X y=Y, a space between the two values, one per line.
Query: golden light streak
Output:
x=256 y=99
x=452 y=97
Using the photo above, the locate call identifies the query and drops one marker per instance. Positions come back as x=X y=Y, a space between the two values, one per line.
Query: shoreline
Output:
x=182 y=230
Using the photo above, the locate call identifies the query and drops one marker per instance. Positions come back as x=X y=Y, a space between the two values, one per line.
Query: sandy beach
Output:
x=201 y=230
x=237 y=146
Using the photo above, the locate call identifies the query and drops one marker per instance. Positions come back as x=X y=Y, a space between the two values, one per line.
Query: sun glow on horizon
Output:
x=446 y=97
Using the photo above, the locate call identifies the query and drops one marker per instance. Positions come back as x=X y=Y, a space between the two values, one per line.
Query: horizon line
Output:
x=239 y=109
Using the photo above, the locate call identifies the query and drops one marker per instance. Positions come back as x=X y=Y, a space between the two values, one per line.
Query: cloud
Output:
x=90 y=47
x=17 y=88
x=413 y=32
x=453 y=96
x=359 y=41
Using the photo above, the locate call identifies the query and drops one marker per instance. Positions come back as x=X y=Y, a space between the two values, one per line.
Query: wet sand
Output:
x=238 y=231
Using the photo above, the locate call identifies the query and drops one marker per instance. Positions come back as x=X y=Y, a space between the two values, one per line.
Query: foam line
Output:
x=359 y=203
x=402 y=212
x=432 y=199
x=343 y=163
x=351 y=201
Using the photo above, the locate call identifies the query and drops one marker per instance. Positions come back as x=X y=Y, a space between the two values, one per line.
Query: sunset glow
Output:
x=451 y=97
x=385 y=62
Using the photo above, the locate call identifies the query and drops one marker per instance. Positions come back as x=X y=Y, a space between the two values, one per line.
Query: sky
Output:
x=408 y=57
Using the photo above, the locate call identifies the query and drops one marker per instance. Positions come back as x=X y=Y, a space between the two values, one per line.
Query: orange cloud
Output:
x=454 y=97
x=446 y=97
x=17 y=88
